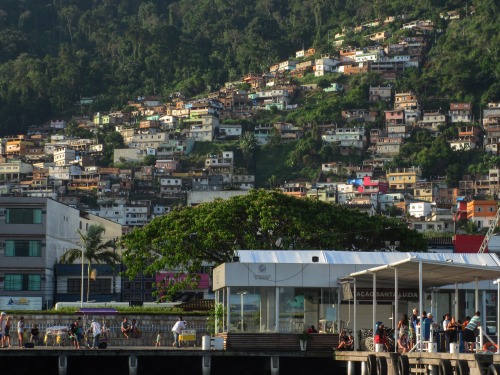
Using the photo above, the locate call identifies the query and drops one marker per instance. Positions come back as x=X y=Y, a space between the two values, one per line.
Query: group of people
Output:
x=93 y=337
x=408 y=328
x=6 y=327
x=130 y=329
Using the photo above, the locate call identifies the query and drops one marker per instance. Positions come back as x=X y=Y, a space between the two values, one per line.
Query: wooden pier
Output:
x=370 y=363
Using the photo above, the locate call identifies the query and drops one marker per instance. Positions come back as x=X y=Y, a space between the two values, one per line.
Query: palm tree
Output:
x=94 y=250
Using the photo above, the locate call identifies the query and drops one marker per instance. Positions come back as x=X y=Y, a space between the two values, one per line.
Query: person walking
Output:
x=403 y=340
x=6 y=333
x=96 y=333
x=20 y=331
x=176 y=331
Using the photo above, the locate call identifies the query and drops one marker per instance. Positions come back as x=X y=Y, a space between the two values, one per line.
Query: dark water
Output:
x=118 y=365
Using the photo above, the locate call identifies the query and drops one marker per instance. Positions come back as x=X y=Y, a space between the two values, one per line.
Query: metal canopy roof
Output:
x=434 y=273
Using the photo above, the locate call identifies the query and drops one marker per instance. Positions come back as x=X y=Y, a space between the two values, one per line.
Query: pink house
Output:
x=394 y=117
x=370 y=186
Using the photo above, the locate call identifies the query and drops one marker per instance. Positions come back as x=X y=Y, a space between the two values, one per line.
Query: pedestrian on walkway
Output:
x=176 y=331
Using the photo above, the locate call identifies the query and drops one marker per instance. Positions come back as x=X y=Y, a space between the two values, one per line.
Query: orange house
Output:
x=482 y=212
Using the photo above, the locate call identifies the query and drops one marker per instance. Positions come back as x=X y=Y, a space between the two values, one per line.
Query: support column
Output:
x=228 y=310
x=395 y=317
x=420 y=302
x=355 y=334
x=476 y=296
x=364 y=370
x=351 y=368
x=433 y=370
x=132 y=365
x=374 y=302
x=275 y=365
x=63 y=364
x=277 y=312
x=206 y=364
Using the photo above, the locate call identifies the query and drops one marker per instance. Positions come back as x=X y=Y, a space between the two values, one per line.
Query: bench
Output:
x=277 y=341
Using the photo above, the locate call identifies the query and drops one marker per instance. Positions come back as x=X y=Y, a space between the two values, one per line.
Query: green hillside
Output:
x=54 y=53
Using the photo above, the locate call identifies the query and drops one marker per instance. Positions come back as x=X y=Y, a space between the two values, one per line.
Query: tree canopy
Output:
x=190 y=237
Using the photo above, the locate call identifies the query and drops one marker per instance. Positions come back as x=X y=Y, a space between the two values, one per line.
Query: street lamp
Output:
x=81 y=287
x=242 y=293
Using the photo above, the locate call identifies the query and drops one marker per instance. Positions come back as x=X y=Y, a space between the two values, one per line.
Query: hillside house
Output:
x=324 y=65
x=420 y=209
x=432 y=120
x=394 y=117
x=358 y=115
x=482 y=212
x=404 y=179
x=491 y=115
x=389 y=146
x=460 y=112
x=380 y=93
x=406 y=100
x=492 y=140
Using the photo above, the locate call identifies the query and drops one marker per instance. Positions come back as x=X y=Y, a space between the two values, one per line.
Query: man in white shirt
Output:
x=176 y=330
x=96 y=332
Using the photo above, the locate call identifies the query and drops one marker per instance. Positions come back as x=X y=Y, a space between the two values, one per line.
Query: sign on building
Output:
x=20 y=303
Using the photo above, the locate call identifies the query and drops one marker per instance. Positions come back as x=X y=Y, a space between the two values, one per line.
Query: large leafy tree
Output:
x=187 y=238
x=95 y=250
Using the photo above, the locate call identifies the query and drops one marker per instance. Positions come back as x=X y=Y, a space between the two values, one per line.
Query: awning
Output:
x=434 y=273
x=97 y=311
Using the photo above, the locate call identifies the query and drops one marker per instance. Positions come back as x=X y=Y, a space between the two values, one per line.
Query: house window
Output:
x=127 y=285
x=22 y=282
x=98 y=286
x=417 y=226
x=16 y=248
x=23 y=216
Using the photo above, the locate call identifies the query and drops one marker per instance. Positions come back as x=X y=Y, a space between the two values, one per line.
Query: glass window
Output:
x=99 y=286
x=23 y=216
x=127 y=285
x=137 y=285
x=22 y=282
x=17 y=248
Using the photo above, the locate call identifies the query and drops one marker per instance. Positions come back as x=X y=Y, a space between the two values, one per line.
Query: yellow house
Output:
x=403 y=178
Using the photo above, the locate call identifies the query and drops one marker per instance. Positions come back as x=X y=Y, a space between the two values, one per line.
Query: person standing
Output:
x=470 y=331
x=96 y=333
x=444 y=323
x=176 y=331
x=20 y=331
x=414 y=322
x=3 y=323
x=158 y=339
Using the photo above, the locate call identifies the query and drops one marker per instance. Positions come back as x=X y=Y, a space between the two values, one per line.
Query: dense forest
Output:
x=53 y=53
